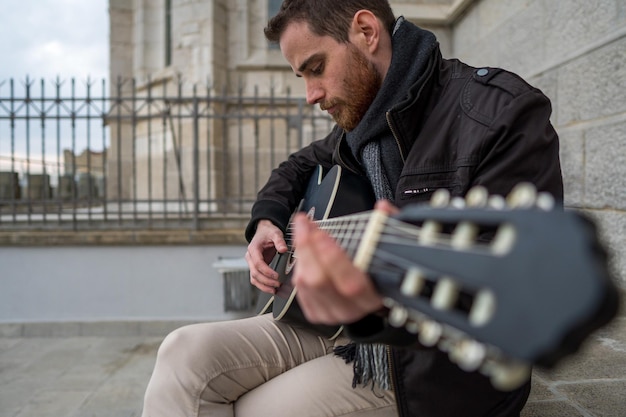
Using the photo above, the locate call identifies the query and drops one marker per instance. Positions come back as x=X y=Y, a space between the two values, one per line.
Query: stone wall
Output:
x=575 y=51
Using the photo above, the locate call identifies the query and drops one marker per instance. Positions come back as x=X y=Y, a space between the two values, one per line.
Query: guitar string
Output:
x=349 y=230
x=354 y=226
x=384 y=265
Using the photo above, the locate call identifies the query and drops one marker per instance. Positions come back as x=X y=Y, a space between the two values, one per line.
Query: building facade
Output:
x=574 y=50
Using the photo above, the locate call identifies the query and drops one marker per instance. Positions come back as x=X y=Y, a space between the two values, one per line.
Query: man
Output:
x=410 y=122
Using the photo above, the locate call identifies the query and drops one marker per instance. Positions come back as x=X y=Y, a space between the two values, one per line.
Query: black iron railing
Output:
x=158 y=154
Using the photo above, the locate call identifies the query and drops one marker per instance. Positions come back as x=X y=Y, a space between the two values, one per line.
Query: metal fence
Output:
x=164 y=153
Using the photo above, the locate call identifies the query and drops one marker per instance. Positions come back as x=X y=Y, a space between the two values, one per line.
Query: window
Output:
x=168 y=33
x=273 y=6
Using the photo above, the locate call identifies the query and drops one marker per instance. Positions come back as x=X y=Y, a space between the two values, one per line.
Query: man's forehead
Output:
x=298 y=44
x=297 y=32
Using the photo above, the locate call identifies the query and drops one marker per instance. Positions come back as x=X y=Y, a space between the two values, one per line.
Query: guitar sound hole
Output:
x=291 y=261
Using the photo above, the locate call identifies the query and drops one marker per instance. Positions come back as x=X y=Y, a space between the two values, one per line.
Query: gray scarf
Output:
x=374 y=145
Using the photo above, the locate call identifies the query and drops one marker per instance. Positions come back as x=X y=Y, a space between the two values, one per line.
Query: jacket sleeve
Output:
x=287 y=183
x=521 y=146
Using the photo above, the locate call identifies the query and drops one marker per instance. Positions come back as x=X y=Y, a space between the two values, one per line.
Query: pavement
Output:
x=101 y=370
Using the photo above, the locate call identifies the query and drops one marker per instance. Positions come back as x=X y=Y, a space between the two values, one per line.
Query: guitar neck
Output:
x=499 y=283
x=489 y=303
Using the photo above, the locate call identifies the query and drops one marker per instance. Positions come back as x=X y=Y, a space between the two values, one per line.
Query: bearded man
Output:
x=409 y=123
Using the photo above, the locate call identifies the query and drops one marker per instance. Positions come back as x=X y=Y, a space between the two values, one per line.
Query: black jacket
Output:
x=465 y=127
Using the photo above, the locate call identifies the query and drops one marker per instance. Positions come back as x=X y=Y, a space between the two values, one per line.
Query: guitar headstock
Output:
x=501 y=284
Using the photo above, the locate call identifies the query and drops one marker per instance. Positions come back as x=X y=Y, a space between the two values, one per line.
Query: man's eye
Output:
x=317 y=70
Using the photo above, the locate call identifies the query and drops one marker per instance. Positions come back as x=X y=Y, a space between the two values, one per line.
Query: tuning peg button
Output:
x=545 y=201
x=523 y=195
x=464 y=235
x=457 y=202
x=445 y=294
x=468 y=354
x=413 y=282
x=477 y=196
x=497 y=202
x=398 y=316
x=430 y=333
x=440 y=198
x=483 y=308
x=504 y=240
x=509 y=376
x=412 y=326
x=429 y=233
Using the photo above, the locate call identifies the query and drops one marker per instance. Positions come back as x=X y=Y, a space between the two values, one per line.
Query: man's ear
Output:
x=365 y=31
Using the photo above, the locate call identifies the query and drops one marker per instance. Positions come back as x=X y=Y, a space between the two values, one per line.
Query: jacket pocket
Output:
x=419 y=188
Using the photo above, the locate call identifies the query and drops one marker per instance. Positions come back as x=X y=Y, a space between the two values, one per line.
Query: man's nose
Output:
x=314 y=93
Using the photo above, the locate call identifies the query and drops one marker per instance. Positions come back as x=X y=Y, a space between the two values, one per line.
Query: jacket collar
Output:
x=410 y=68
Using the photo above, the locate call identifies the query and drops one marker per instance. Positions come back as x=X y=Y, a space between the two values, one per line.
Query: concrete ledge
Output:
x=122 y=237
x=151 y=328
x=125 y=328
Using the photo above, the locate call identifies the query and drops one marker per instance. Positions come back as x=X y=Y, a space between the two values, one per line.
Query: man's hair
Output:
x=327 y=17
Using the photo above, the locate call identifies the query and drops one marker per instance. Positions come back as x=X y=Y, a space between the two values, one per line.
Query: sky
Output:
x=50 y=38
x=46 y=39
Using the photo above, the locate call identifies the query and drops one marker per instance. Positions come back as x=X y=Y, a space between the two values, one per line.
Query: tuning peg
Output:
x=429 y=333
x=430 y=229
x=429 y=232
x=504 y=239
x=440 y=198
x=412 y=326
x=413 y=282
x=477 y=196
x=545 y=201
x=457 y=202
x=464 y=235
x=497 y=202
x=445 y=294
x=523 y=195
x=389 y=302
x=508 y=376
x=398 y=316
x=483 y=308
x=468 y=354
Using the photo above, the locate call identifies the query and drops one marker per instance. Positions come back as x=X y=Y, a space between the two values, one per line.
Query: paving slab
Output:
x=106 y=375
x=75 y=376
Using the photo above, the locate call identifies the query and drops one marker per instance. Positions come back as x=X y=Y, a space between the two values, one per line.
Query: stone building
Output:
x=574 y=50
x=83 y=175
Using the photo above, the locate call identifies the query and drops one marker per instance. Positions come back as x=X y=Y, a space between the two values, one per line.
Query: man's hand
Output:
x=331 y=290
x=267 y=240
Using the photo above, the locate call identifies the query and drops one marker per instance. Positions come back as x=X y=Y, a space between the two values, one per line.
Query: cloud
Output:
x=65 y=59
x=43 y=40
x=50 y=38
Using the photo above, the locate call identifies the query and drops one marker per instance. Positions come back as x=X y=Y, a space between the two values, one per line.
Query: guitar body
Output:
x=328 y=195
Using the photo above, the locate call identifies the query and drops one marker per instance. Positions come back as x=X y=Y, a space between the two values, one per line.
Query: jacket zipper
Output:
x=390 y=361
x=395 y=135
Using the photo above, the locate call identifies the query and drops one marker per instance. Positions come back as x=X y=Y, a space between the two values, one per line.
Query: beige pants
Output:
x=256 y=367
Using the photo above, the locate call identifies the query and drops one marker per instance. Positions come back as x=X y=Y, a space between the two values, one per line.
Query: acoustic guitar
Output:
x=501 y=284
x=330 y=194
